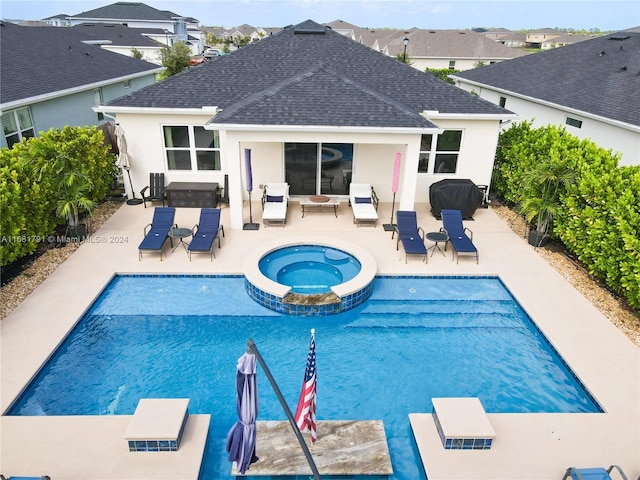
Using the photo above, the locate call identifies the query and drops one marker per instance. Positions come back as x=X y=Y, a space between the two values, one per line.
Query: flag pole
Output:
x=251 y=346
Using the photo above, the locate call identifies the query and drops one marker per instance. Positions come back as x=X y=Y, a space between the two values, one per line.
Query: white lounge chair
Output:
x=275 y=200
x=364 y=203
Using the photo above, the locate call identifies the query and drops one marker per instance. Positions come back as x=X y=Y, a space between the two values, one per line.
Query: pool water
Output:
x=418 y=337
x=309 y=269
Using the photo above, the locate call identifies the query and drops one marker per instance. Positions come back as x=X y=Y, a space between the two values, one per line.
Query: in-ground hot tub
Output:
x=309 y=276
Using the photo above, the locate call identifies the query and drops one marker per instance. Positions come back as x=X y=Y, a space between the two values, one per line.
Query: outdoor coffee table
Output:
x=437 y=237
x=319 y=202
x=180 y=234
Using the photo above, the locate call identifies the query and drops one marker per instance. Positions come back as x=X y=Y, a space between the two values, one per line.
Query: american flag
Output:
x=306 y=411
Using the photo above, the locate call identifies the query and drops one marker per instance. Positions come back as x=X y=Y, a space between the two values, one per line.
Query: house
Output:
x=60 y=20
x=50 y=78
x=591 y=87
x=317 y=110
x=549 y=38
x=436 y=49
x=161 y=25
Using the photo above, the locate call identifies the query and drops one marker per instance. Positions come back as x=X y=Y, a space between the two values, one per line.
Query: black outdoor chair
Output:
x=156 y=188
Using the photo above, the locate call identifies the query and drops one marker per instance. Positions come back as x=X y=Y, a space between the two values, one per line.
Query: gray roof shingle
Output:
x=129 y=11
x=315 y=78
x=44 y=60
x=599 y=76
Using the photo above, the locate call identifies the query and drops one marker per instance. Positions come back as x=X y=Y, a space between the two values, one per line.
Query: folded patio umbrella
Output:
x=241 y=439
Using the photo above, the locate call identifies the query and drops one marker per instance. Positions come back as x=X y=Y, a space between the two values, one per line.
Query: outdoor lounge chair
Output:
x=410 y=234
x=364 y=203
x=157 y=232
x=205 y=232
x=275 y=200
x=460 y=241
x=156 y=188
x=592 y=473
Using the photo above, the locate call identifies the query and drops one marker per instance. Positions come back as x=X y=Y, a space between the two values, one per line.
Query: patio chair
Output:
x=156 y=188
x=364 y=203
x=275 y=200
x=205 y=232
x=592 y=473
x=410 y=234
x=157 y=232
x=460 y=241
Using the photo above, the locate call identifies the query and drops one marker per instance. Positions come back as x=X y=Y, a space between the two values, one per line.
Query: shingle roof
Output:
x=599 y=76
x=40 y=61
x=129 y=11
x=119 y=34
x=315 y=78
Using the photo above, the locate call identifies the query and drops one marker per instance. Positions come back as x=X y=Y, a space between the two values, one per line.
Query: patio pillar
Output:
x=231 y=159
x=408 y=172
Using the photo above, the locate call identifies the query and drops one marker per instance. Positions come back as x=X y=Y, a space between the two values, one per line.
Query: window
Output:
x=503 y=101
x=447 y=150
x=191 y=147
x=452 y=64
x=127 y=84
x=17 y=125
x=425 y=153
x=573 y=122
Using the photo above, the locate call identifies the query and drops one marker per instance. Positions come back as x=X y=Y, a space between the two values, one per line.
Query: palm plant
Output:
x=543 y=188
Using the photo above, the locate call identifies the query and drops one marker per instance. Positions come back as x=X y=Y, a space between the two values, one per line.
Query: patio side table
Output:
x=437 y=237
x=180 y=234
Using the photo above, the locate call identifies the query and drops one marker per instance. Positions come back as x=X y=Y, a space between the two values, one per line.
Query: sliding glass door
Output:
x=318 y=168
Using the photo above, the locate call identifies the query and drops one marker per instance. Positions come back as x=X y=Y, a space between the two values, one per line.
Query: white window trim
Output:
x=20 y=130
x=192 y=149
x=433 y=152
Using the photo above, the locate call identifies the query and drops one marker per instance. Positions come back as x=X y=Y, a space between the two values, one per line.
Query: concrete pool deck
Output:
x=527 y=446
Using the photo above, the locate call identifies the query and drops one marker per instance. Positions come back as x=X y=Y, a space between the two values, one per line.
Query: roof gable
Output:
x=321 y=65
x=598 y=76
x=63 y=62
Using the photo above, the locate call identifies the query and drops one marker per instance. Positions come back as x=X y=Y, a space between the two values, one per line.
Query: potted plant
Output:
x=542 y=189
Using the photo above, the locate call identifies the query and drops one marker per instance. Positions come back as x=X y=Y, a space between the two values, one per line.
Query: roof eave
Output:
x=319 y=128
x=70 y=91
x=156 y=111
x=557 y=106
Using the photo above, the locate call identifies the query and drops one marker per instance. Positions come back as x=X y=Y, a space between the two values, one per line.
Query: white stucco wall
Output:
x=374 y=155
x=617 y=137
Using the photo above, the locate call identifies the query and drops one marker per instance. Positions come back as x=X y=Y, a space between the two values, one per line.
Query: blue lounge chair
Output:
x=460 y=241
x=205 y=232
x=157 y=232
x=410 y=234
x=592 y=473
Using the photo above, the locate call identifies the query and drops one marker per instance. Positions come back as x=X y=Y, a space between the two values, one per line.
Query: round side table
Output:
x=437 y=237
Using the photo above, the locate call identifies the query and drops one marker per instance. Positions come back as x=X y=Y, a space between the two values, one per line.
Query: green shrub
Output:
x=598 y=216
x=44 y=179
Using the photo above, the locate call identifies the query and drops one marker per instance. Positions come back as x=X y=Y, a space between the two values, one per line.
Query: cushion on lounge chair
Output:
x=411 y=236
x=157 y=232
x=363 y=203
x=460 y=241
x=205 y=232
x=275 y=203
x=592 y=473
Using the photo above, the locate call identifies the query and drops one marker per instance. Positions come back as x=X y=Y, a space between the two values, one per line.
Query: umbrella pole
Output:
x=250 y=225
x=134 y=200
x=390 y=227
x=253 y=349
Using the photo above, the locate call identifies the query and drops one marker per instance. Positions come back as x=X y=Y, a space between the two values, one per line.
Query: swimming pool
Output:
x=421 y=337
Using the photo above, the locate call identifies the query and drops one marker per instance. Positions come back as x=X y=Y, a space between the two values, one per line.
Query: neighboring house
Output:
x=549 y=38
x=436 y=49
x=592 y=88
x=318 y=111
x=120 y=39
x=49 y=78
x=161 y=25
x=61 y=20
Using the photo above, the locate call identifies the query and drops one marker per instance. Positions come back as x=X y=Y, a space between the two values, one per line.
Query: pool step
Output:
x=419 y=307
x=436 y=320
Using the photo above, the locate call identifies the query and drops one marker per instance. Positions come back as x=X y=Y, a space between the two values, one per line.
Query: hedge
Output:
x=28 y=199
x=599 y=216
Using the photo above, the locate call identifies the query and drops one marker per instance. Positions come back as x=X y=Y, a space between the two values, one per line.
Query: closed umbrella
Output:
x=389 y=227
x=241 y=439
x=249 y=178
x=125 y=162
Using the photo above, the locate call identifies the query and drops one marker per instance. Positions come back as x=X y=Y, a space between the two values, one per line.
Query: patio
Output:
x=531 y=446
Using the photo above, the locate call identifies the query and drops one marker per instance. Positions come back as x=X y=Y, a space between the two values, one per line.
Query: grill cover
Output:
x=455 y=194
